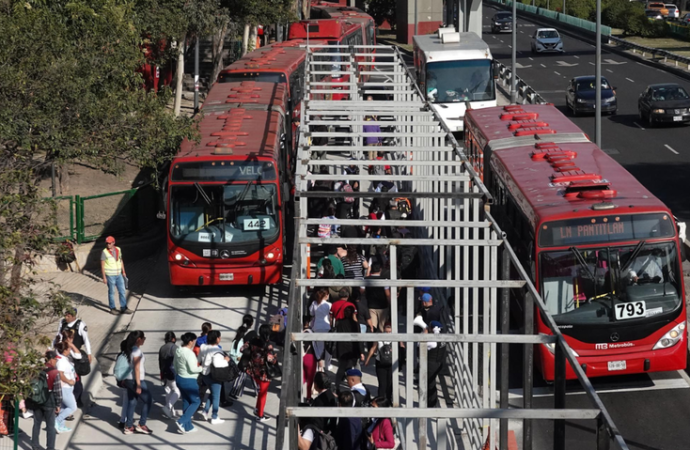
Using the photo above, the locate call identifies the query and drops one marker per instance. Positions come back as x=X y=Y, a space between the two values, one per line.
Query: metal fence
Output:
x=458 y=247
x=526 y=94
x=655 y=53
x=9 y=422
x=560 y=17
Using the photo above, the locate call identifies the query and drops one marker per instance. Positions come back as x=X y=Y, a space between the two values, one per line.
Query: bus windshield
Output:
x=224 y=214
x=610 y=284
x=460 y=81
x=268 y=77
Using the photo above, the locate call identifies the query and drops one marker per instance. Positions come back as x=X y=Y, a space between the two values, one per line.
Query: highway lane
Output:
x=658 y=157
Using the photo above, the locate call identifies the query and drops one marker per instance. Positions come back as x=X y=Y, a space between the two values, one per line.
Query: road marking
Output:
x=530 y=58
x=521 y=31
x=640 y=63
x=557 y=73
x=632 y=81
x=669 y=147
x=591 y=63
x=609 y=70
x=510 y=46
x=659 y=385
x=541 y=65
x=685 y=376
x=639 y=126
x=576 y=57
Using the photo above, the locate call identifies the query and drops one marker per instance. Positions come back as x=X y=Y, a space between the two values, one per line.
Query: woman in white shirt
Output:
x=135 y=383
x=211 y=354
x=68 y=377
x=320 y=312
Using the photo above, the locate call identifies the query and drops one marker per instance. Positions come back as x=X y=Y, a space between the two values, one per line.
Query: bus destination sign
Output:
x=603 y=229
x=223 y=171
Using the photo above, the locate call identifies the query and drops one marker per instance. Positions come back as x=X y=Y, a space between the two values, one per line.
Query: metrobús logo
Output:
x=614 y=345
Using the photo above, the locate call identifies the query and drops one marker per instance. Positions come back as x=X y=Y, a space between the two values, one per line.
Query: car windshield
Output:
x=588 y=85
x=229 y=214
x=596 y=285
x=547 y=34
x=460 y=81
x=503 y=16
x=669 y=93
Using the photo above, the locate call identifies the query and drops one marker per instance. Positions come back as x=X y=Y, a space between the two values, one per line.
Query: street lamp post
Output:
x=597 y=64
x=513 y=75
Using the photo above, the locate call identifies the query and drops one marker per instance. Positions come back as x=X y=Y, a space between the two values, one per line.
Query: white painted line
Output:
x=521 y=31
x=632 y=81
x=609 y=70
x=639 y=126
x=557 y=73
x=659 y=385
x=685 y=376
x=530 y=58
x=591 y=63
x=669 y=147
x=543 y=66
x=576 y=57
x=510 y=46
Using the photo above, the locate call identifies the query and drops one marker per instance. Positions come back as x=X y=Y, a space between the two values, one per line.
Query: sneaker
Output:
x=143 y=429
x=70 y=418
x=63 y=429
x=193 y=430
x=263 y=419
x=27 y=414
x=126 y=311
x=167 y=413
x=180 y=428
x=204 y=414
x=129 y=430
x=121 y=425
x=114 y=312
x=217 y=421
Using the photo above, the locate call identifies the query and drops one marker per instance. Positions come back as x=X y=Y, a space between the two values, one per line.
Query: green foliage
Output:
x=257 y=12
x=382 y=10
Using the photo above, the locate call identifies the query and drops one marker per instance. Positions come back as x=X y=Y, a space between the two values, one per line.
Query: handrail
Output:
x=527 y=93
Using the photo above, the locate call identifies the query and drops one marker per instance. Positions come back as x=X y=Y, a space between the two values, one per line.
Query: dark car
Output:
x=502 y=21
x=581 y=95
x=661 y=103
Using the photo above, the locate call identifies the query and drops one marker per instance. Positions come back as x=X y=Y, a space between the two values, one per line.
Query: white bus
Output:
x=455 y=70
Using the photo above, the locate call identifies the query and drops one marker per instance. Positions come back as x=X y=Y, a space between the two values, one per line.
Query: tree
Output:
x=69 y=91
x=382 y=10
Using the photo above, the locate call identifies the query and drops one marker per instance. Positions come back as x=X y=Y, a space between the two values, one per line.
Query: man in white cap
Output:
x=114 y=275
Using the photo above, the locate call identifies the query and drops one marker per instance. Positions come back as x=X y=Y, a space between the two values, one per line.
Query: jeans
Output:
x=69 y=404
x=123 y=413
x=190 y=400
x=132 y=398
x=215 y=395
x=172 y=393
x=41 y=415
x=116 y=281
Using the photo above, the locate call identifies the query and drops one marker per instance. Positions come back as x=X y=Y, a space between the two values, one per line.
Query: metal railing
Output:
x=9 y=422
x=526 y=94
x=458 y=244
x=654 y=52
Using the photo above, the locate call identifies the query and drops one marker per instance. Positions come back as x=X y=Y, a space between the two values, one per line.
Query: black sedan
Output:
x=502 y=21
x=667 y=103
x=581 y=95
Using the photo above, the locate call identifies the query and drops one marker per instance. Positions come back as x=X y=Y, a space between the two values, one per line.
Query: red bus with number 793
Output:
x=603 y=251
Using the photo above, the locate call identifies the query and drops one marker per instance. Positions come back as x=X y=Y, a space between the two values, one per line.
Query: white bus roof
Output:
x=470 y=46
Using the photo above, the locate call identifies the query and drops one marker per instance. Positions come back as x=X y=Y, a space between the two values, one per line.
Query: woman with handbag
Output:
x=212 y=359
x=379 y=433
x=263 y=366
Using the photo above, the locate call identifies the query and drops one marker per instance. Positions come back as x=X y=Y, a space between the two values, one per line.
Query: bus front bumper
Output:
x=224 y=275
x=664 y=360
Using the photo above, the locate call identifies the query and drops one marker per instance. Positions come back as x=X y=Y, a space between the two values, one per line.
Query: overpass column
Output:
x=429 y=14
x=470 y=16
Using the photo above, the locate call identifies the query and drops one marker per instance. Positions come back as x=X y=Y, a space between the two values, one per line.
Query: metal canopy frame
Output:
x=457 y=243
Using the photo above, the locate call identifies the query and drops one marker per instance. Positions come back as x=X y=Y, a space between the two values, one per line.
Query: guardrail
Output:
x=526 y=94
x=572 y=21
x=655 y=52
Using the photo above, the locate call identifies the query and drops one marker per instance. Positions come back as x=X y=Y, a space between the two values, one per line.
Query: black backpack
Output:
x=78 y=339
x=386 y=355
x=362 y=400
x=322 y=441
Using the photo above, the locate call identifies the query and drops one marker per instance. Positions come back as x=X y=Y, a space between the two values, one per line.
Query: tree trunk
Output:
x=180 y=76
x=218 y=47
x=306 y=9
x=245 y=39
x=253 y=34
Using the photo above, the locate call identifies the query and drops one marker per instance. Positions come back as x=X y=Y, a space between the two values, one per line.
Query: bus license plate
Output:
x=677 y=118
x=617 y=365
x=230 y=277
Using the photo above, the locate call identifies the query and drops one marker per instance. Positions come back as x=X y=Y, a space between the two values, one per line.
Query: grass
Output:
x=669 y=44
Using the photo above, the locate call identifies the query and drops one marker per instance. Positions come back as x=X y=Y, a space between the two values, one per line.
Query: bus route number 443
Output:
x=631 y=310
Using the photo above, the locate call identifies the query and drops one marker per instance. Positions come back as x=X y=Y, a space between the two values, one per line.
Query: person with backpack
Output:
x=309 y=437
x=379 y=433
x=348 y=353
x=349 y=430
x=186 y=372
x=135 y=383
x=324 y=399
x=336 y=263
x=211 y=357
x=166 y=356
x=81 y=341
x=45 y=401
x=360 y=393
x=384 y=364
x=262 y=364
x=68 y=376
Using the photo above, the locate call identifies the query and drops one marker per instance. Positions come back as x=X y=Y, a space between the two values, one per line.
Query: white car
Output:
x=547 y=40
x=673 y=11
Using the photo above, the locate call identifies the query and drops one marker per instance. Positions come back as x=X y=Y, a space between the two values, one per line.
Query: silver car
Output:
x=547 y=40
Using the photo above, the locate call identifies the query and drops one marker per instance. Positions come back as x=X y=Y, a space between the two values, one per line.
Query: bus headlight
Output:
x=552 y=349
x=180 y=258
x=671 y=338
x=273 y=255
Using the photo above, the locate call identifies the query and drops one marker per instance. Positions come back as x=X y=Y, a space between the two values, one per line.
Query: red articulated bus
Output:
x=226 y=213
x=603 y=252
x=328 y=10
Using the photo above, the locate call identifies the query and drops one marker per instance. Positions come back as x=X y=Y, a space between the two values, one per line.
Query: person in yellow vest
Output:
x=114 y=275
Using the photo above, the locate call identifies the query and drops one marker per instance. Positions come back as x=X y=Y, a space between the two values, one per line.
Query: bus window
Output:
x=459 y=81
x=371 y=32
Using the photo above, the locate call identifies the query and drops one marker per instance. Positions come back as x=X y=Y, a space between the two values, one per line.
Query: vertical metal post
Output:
x=196 y=76
x=416 y=18
x=528 y=372
x=423 y=381
x=16 y=424
x=395 y=319
x=597 y=64
x=513 y=67
x=505 y=329
x=563 y=10
x=559 y=397
x=52 y=178
x=603 y=439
